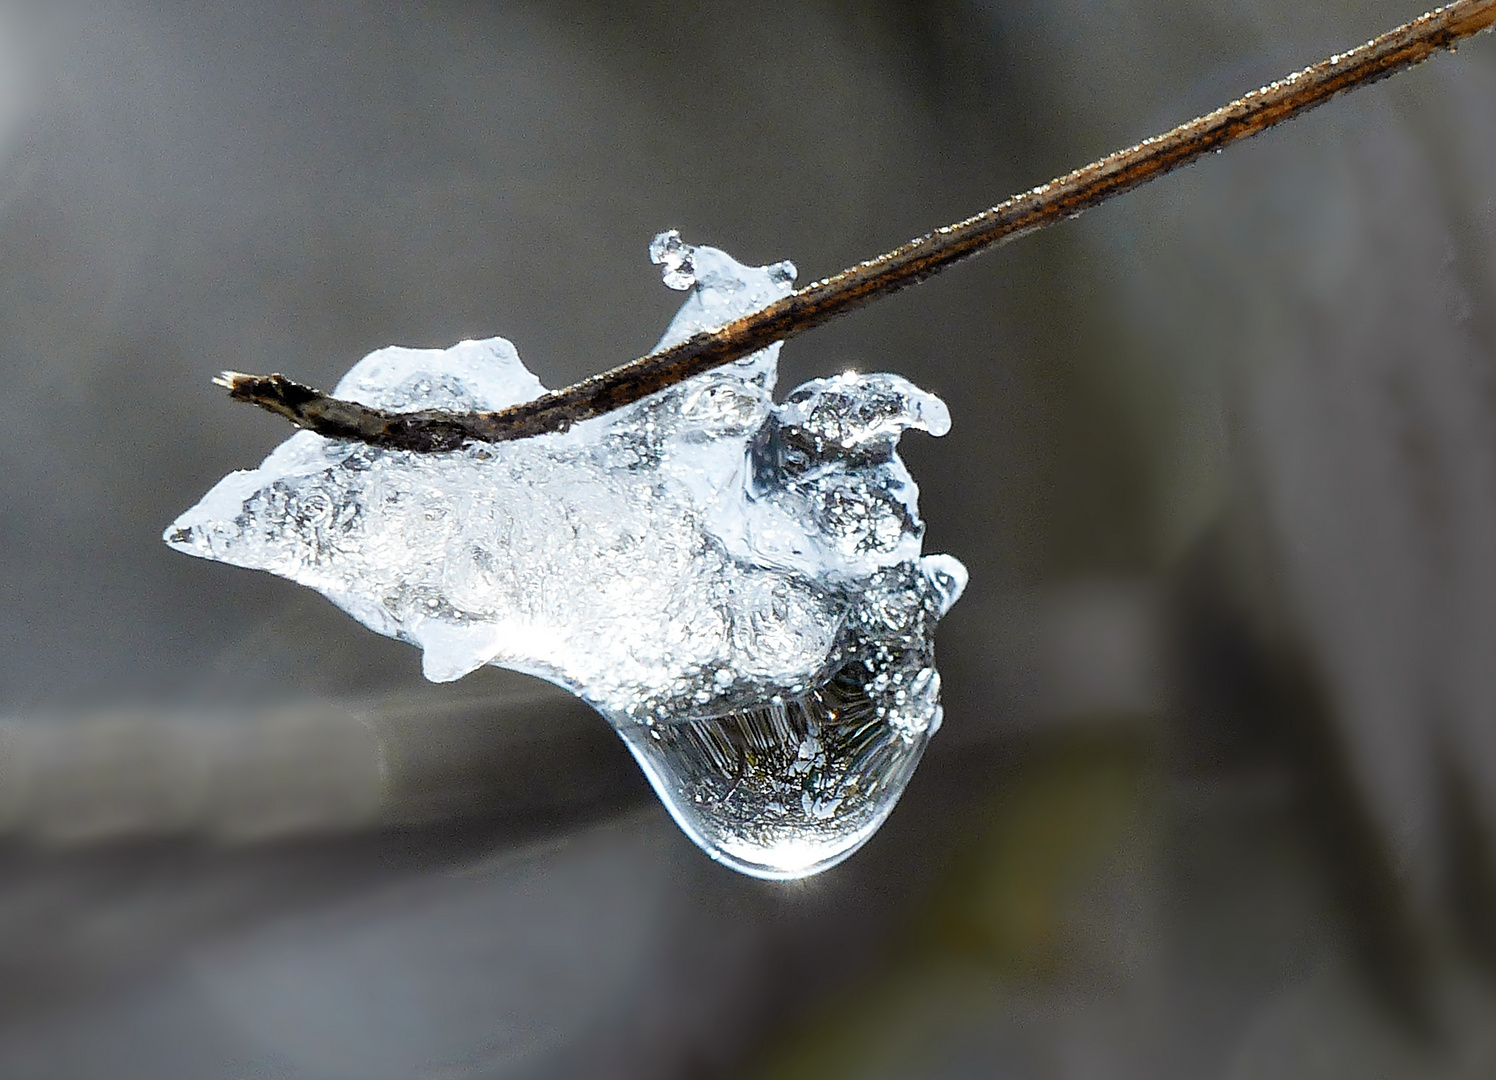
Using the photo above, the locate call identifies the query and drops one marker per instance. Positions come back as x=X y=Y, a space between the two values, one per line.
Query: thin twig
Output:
x=1065 y=197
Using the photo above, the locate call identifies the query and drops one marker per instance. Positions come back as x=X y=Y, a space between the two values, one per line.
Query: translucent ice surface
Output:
x=737 y=586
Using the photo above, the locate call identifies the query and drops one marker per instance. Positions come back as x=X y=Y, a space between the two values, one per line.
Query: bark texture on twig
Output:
x=809 y=307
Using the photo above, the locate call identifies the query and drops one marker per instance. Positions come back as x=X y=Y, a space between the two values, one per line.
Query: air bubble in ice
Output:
x=737 y=586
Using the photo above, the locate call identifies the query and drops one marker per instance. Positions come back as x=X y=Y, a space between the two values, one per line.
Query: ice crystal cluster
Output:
x=736 y=585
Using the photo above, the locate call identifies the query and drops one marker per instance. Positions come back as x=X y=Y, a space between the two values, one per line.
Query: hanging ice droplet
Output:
x=737 y=586
x=791 y=785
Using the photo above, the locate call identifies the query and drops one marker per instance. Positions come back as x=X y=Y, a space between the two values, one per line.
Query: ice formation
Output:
x=735 y=585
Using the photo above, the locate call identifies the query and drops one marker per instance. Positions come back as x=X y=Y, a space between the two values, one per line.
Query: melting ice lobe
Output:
x=736 y=585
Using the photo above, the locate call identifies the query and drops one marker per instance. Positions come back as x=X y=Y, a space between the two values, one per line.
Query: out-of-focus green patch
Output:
x=1022 y=899
x=1047 y=892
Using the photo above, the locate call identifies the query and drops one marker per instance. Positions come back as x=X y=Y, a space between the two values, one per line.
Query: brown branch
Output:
x=1062 y=198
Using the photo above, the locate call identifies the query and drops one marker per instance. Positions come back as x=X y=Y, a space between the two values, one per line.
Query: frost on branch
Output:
x=735 y=585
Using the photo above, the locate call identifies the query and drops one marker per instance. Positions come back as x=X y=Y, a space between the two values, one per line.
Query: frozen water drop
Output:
x=793 y=785
x=736 y=586
x=946 y=576
x=668 y=250
x=781 y=790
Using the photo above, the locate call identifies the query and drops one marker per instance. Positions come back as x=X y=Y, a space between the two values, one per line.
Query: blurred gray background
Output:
x=1216 y=792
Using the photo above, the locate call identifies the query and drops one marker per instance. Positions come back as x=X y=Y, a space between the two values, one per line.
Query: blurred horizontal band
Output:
x=1087 y=651
x=308 y=769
